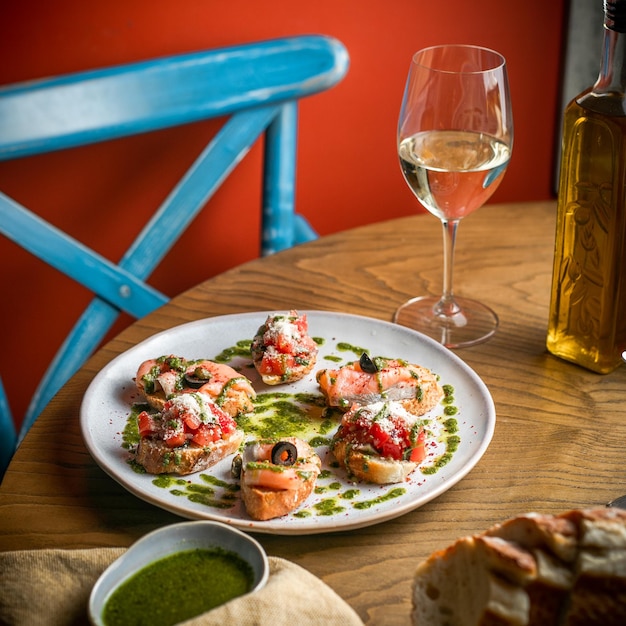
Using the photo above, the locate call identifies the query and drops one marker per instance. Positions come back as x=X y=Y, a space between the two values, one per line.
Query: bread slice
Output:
x=264 y=502
x=565 y=570
x=599 y=593
x=159 y=380
x=282 y=350
x=158 y=458
x=191 y=434
x=454 y=588
x=379 y=443
x=368 y=466
x=416 y=387
x=556 y=534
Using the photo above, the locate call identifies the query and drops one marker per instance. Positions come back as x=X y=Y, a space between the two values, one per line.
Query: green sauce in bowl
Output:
x=178 y=587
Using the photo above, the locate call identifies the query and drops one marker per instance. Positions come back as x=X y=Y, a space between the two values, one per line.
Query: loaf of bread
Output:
x=565 y=570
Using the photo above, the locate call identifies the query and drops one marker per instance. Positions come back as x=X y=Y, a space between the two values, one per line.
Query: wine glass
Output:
x=455 y=136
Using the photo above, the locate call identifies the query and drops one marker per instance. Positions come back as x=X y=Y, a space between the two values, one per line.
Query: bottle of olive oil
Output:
x=587 y=323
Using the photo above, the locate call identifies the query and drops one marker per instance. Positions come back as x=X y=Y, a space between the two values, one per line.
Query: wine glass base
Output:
x=473 y=324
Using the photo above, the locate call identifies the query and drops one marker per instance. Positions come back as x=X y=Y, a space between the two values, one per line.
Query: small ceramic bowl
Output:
x=174 y=538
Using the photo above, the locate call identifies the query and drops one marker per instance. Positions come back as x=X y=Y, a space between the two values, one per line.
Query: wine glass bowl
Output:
x=455 y=136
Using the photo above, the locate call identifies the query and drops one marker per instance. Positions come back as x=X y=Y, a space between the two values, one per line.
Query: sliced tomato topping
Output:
x=227 y=424
x=285 y=345
x=391 y=450
x=277 y=364
x=206 y=434
x=175 y=440
x=418 y=454
x=301 y=324
x=145 y=423
x=378 y=435
x=191 y=421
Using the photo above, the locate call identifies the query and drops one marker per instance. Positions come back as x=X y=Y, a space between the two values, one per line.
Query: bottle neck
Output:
x=612 y=77
x=608 y=95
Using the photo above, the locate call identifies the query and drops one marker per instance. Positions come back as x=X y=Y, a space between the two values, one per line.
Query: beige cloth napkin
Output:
x=52 y=587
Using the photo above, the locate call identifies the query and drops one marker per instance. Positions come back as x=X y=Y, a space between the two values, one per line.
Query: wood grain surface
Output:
x=558 y=442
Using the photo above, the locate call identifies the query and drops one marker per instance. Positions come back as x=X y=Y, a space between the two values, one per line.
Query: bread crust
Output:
x=296 y=373
x=158 y=458
x=273 y=337
x=380 y=443
x=564 y=570
x=370 y=467
x=264 y=503
x=419 y=392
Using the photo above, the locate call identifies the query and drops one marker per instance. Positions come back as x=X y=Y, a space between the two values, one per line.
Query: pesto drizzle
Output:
x=305 y=415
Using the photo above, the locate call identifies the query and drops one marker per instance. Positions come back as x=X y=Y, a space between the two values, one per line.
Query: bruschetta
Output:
x=190 y=434
x=374 y=380
x=282 y=350
x=379 y=443
x=277 y=476
x=162 y=378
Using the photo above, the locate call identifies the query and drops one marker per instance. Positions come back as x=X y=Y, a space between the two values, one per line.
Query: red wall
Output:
x=347 y=171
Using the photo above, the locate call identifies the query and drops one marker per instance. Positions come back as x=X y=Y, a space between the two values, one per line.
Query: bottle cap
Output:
x=615 y=14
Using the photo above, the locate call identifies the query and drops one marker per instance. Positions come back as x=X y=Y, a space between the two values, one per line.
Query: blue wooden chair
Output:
x=257 y=86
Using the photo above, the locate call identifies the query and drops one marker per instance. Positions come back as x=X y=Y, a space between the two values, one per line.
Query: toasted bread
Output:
x=416 y=387
x=157 y=458
x=191 y=434
x=370 y=467
x=379 y=443
x=161 y=379
x=282 y=351
x=269 y=490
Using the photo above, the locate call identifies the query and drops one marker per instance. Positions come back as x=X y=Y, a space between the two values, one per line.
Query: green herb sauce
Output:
x=333 y=358
x=396 y=492
x=178 y=587
x=342 y=346
x=241 y=348
x=304 y=415
x=328 y=506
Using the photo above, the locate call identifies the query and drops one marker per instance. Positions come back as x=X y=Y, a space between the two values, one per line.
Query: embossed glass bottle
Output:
x=587 y=323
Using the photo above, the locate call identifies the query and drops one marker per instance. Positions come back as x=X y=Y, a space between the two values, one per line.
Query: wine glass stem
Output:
x=447 y=306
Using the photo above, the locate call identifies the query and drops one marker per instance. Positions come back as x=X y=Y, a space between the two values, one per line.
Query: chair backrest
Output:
x=256 y=85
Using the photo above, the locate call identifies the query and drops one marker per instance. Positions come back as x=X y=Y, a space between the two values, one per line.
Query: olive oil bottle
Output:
x=587 y=323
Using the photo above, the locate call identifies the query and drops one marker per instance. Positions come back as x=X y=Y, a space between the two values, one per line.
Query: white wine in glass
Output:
x=455 y=136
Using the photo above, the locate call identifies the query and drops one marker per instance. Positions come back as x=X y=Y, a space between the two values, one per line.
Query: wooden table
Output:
x=558 y=442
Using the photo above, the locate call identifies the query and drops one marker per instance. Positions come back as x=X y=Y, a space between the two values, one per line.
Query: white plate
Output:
x=107 y=405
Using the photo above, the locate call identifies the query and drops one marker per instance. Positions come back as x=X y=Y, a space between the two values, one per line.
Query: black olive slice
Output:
x=236 y=465
x=367 y=365
x=284 y=453
x=198 y=377
x=194 y=382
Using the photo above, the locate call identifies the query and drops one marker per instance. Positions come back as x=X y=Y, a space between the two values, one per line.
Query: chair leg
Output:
x=303 y=231
x=8 y=436
x=279 y=181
